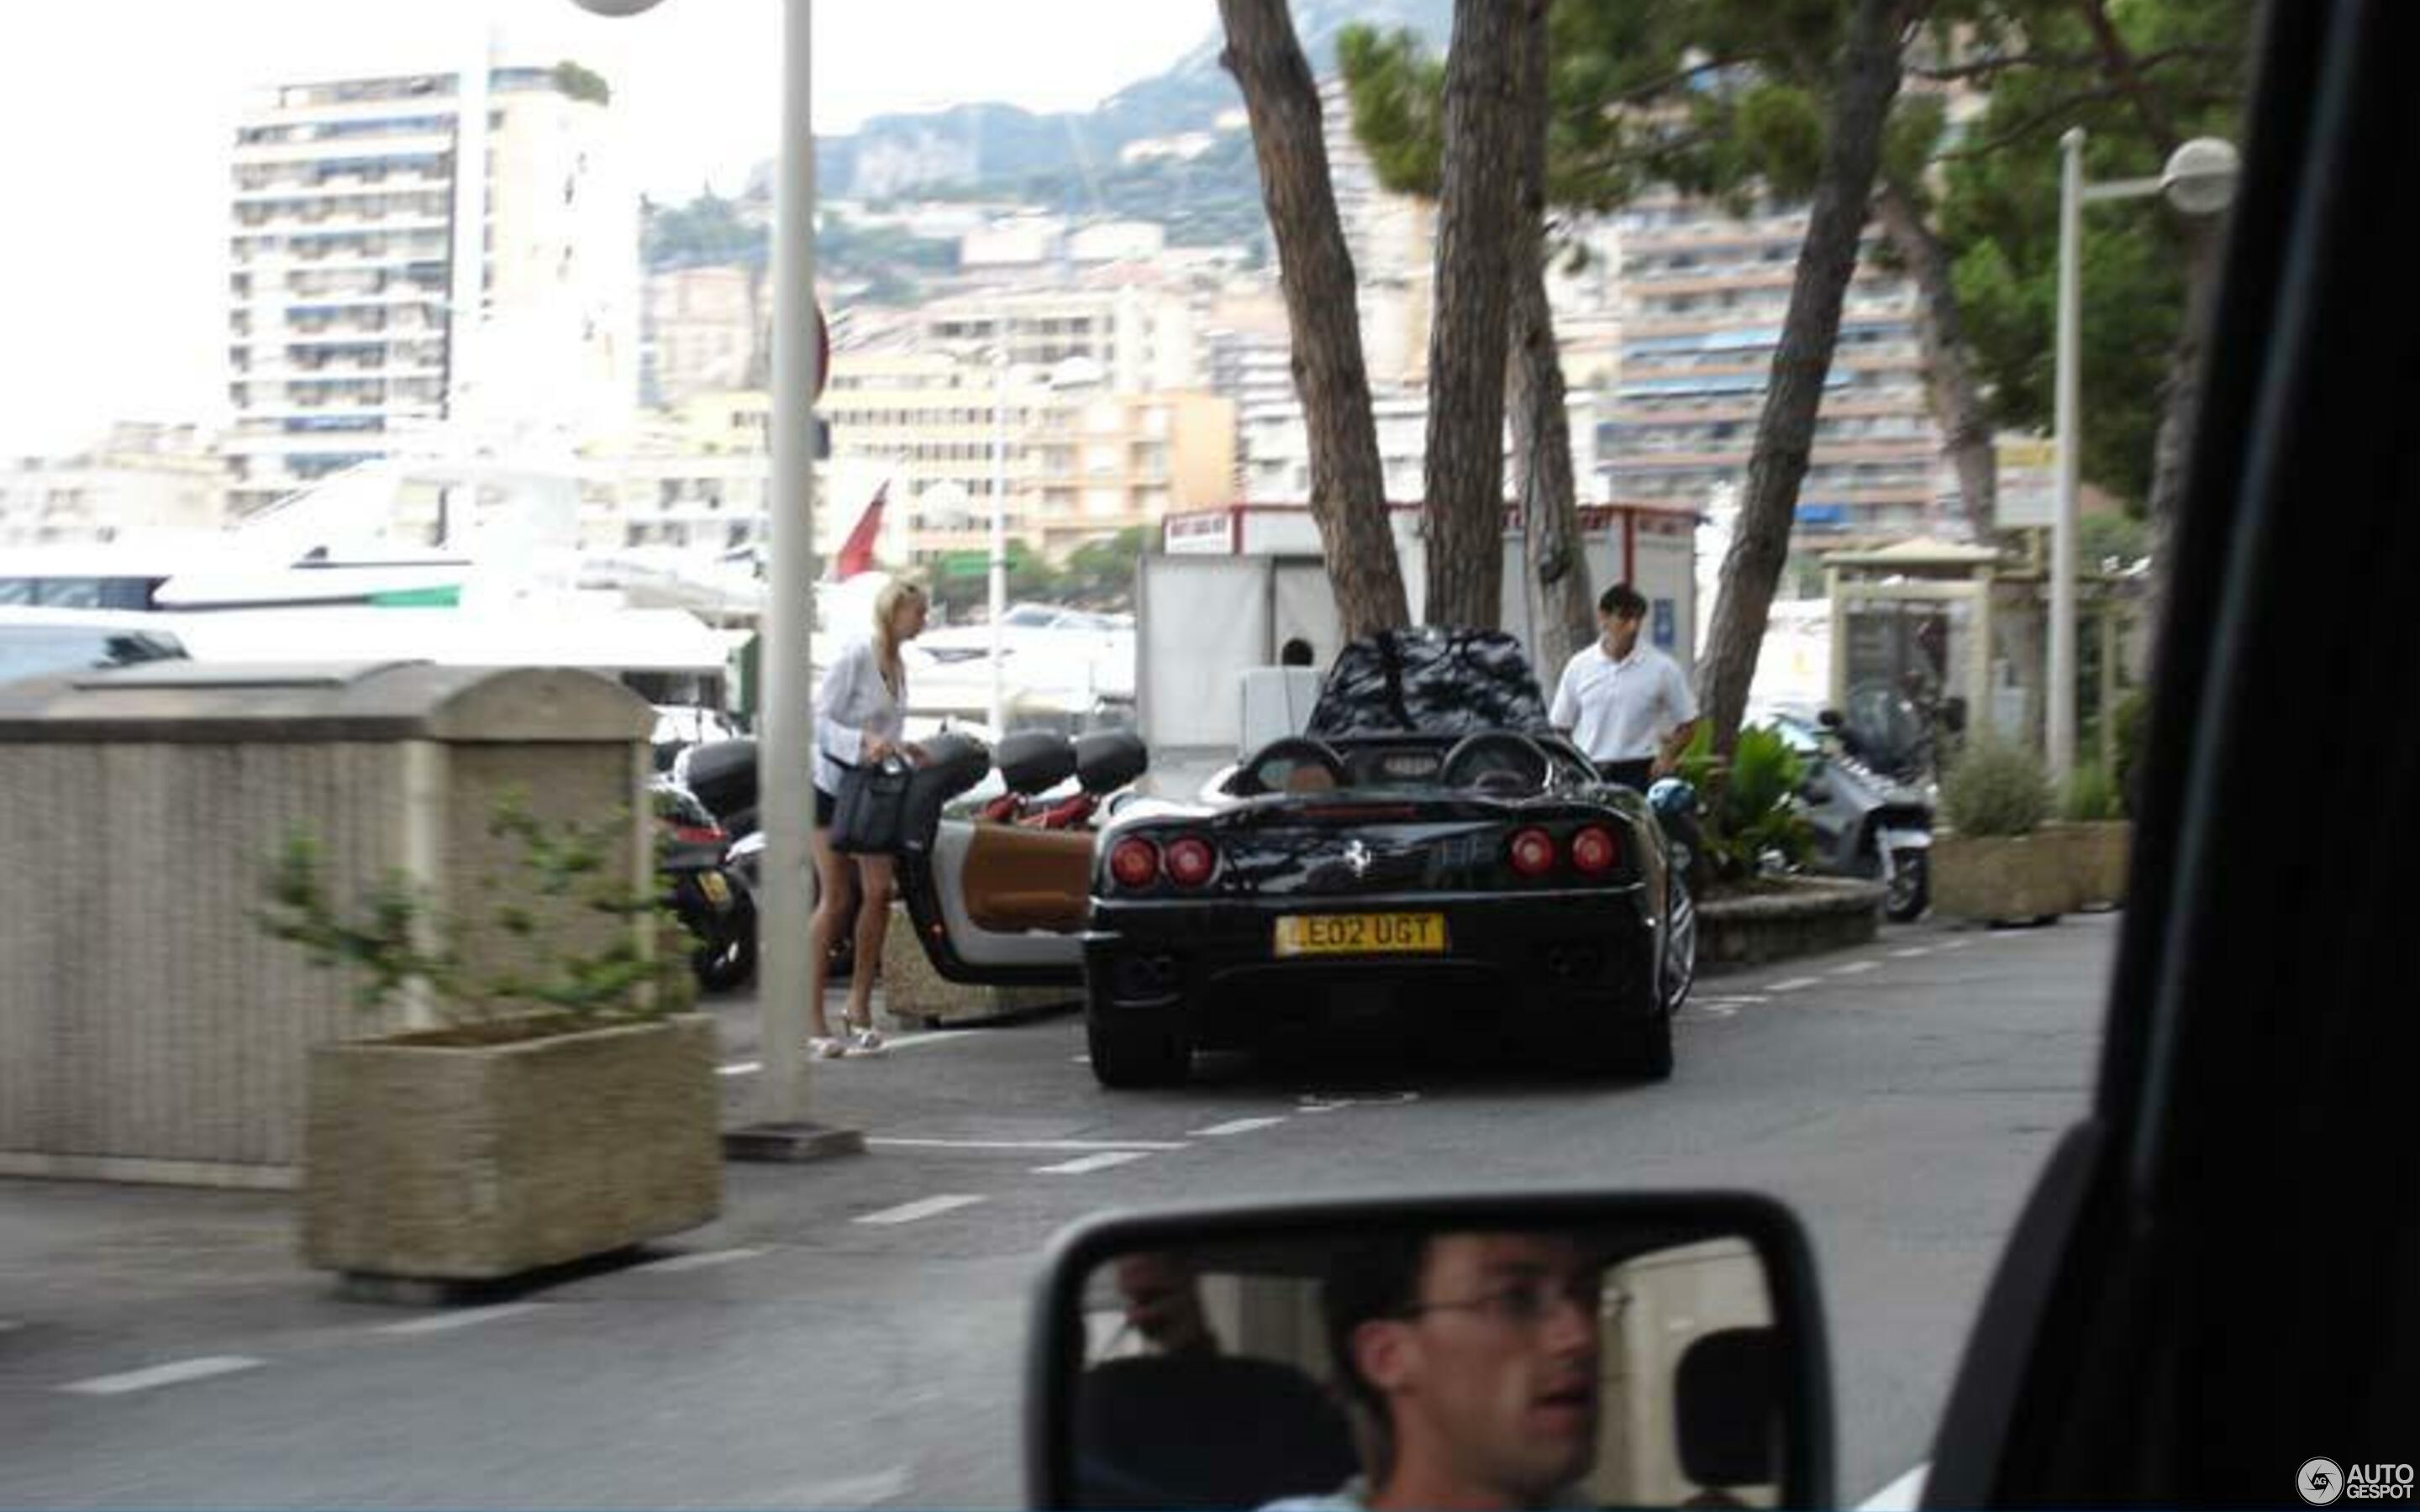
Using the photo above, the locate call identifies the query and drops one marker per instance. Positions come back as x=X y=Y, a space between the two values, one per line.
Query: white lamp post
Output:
x=787 y=747
x=998 y=532
x=2198 y=179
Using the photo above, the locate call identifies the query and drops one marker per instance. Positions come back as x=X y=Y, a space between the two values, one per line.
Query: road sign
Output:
x=2028 y=497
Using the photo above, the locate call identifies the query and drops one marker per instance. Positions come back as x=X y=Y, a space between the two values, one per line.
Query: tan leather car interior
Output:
x=1019 y=879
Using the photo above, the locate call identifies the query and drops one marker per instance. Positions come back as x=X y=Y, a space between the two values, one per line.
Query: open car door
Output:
x=999 y=889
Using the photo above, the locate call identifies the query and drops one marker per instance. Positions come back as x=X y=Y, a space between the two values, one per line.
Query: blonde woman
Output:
x=860 y=713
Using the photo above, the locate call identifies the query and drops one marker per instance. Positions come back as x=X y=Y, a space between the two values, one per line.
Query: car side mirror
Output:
x=1830 y=719
x=1672 y=1344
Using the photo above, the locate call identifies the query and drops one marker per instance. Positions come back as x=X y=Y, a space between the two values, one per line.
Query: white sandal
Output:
x=826 y=1047
x=866 y=1039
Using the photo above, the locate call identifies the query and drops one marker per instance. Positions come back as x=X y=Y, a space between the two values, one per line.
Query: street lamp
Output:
x=786 y=749
x=2198 y=179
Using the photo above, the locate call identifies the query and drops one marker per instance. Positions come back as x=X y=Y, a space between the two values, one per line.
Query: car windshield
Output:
x=1430 y=683
x=1434 y=498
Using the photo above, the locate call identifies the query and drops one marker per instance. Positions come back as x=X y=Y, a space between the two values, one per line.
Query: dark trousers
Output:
x=1635 y=775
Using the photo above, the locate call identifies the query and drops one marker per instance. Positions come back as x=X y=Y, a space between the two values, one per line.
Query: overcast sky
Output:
x=117 y=119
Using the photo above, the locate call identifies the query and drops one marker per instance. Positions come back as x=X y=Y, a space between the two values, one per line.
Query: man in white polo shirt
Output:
x=1626 y=705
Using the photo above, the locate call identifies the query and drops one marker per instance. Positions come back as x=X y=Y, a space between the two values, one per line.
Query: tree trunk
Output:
x=1563 y=605
x=1348 y=487
x=2173 y=447
x=1866 y=81
x=1955 y=397
x=1478 y=225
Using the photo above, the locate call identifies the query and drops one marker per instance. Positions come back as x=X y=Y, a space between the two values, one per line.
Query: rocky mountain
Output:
x=996 y=149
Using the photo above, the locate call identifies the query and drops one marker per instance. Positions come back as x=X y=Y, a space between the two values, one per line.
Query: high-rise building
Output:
x=376 y=291
x=1393 y=240
x=1703 y=299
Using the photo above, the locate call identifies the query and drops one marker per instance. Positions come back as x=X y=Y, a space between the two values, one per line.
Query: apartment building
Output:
x=1109 y=462
x=1702 y=301
x=698 y=330
x=376 y=290
x=1142 y=339
x=140 y=478
x=1277 y=449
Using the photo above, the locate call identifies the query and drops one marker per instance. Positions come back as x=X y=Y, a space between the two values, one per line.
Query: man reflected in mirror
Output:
x=1473 y=1359
x=1163 y=1296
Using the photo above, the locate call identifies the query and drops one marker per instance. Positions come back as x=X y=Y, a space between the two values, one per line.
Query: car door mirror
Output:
x=1659 y=1350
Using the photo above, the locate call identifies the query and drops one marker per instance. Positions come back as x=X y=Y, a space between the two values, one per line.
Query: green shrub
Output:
x=1995 y=789
x=1751 y=801
x=2091 y=796
x=390 y=938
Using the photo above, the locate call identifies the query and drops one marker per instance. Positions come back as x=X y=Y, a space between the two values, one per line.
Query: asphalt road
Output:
x=850 y=1334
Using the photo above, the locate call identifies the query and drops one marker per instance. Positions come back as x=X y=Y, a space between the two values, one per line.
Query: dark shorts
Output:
x=1636 y=775
x=825 y=805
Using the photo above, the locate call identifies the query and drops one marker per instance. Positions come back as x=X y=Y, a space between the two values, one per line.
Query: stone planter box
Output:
x=2003 y=879
x=1809 y=916
x=2097 y=858
x=463 y=1163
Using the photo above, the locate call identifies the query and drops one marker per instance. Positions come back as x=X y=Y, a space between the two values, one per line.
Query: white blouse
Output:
x=853 y=705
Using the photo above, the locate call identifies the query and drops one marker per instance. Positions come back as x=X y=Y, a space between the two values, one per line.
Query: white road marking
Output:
x=1900 y=1495
x=1851 y=969
x=1237 y=1126
x=1029 y=1144
x=699 y=1261
x=855 y=1491
x=1913 y=953
x=1793 y=985
x=925 y=1208
x=926 y=1037
x=467 y=1318
x=1086 y=1164
x=10 y=1325
x=175 y=1373
x=1955 y=945
x=749 y=1068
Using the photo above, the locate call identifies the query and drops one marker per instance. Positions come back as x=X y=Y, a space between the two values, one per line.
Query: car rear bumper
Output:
x=1214 y=967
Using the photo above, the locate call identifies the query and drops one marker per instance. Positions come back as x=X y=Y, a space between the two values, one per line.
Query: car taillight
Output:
x=1190 y=861
x=1532 y=853
x=1134 y=862
x=1595 y=850
x=695 y=835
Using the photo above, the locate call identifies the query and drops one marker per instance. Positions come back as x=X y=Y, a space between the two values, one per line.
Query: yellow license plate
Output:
x=1361 y=934
x=718 y=891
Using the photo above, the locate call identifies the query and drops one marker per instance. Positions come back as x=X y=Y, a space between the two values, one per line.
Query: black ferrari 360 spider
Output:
x=1428 y=835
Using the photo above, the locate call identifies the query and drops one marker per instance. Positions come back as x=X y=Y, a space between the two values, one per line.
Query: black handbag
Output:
x=869 y=812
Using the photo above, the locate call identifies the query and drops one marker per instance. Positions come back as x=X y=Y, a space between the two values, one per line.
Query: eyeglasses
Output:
x=1529 y=1304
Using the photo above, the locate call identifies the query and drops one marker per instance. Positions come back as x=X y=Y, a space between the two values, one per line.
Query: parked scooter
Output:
x=1866 y=822
x=719 y=913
